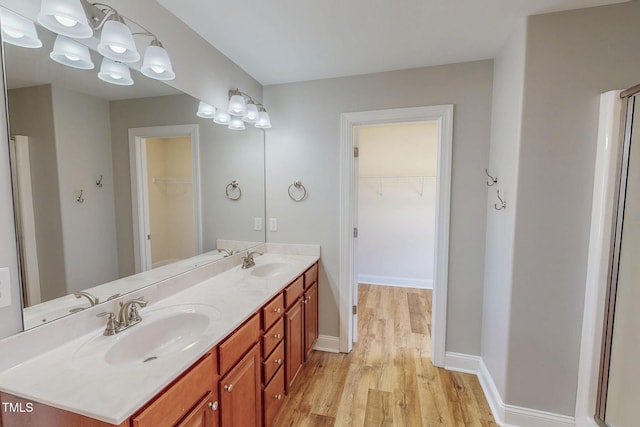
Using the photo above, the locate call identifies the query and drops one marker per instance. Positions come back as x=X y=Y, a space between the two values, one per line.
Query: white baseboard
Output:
x=328 y=343
x=460 y=362
x=395 y=281
x=516 y=416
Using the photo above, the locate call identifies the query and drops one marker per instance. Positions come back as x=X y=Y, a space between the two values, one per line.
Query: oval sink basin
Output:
x=165 y=332
x=271 y=270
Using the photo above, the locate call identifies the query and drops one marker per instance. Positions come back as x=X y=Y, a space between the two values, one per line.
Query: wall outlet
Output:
x=273 y=224
x=5 y=287
x=257 y=224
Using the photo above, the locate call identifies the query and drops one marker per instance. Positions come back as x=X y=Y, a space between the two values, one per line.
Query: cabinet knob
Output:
x=213 y=405
x=277 y=310
x=278 y=361
x=228 y=387
x=278 y=397
x=277 y=336
x=309 y=298
x=304 y=301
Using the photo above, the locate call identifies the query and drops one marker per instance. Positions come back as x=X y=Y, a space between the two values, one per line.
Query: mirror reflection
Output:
x=118 y=187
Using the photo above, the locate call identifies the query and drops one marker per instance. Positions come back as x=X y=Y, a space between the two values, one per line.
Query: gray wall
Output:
x=506 y=117
x=305 y=143
x=571 y=57
x=26 y=104
x=225 y=155
x=83 y=147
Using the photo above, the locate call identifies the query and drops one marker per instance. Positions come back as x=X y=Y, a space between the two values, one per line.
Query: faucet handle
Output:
x=112 y=327
x=134 y=315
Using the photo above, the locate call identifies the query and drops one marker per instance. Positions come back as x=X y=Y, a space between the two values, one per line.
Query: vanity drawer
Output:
x=311 y=276
x=272 y=311
x=230 y=351
x=272 y=337
x=293 y=291
x=178 y=399
x=273 y=362
x=273 y=397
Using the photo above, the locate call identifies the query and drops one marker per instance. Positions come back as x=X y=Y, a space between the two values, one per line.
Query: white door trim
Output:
x=600 y=244
x=137 y=163
x=444 y=115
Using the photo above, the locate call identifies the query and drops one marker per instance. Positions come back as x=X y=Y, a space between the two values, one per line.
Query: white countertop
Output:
x=68 y=378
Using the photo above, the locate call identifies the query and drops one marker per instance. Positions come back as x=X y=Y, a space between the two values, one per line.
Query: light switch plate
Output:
x=273 y=224
x=5 y=287
x=257 y=224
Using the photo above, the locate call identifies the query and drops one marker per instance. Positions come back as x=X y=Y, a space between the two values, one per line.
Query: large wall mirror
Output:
x=118 y=187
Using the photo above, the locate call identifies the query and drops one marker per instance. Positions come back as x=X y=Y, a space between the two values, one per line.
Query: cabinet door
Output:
x=240 y=393
x=294 y=339
x=203 y=415
x=310 y=319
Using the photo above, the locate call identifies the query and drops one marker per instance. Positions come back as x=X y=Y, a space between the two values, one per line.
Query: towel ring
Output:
x=233 y=190
x=297 y=191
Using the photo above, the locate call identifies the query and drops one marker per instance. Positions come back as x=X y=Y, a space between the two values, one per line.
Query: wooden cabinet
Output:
x=301 y=322
x=240 y=397
x=310 y=299
x=202 y=414
x=183 y=399
x=294 y=352
x=273 y=397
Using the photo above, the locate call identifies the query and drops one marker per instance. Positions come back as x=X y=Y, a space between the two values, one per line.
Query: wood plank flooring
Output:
x=388 y=379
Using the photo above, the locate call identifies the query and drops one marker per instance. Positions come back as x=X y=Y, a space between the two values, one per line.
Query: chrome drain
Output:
x=149 y=359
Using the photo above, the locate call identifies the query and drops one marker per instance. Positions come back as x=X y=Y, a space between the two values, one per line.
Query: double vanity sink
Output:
x=109 y=378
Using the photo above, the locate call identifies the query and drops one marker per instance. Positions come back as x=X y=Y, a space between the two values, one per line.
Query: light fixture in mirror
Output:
x=65 y=17
x=116 y=41
x=71 y=53
x=156 y=63
x=237 y=104
x=19 y=31
x=236 y=123
x=115 y=73
x=221 y=117
x=206 y=111
x=242 y=108
x=75 y=129
x=263 y=122
x=252 y=112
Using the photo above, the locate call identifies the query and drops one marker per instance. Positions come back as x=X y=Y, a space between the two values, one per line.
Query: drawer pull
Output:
x=278 y=397
x=278 y=361
x=309 y=298
x=228 y=387
x=277 y=310
x=213 y=405
x=277 y=336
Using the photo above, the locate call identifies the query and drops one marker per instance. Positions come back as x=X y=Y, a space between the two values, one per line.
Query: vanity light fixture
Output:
x=115 y=73
x=221 y=117
x=263 y=122
x=236 y=123
x=116 y=41
x=237 y=103
x=71 y=53
x=156 y=63
x=66 y=17
x=242 y=108
x=206 y=111
x=79 y=19
x=18 y=30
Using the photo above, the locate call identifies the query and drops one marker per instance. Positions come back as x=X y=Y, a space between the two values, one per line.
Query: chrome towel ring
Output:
x=297 y=191
x=233 y=190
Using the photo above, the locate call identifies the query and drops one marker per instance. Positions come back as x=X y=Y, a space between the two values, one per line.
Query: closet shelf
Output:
x=171 y=180
x=420 y=179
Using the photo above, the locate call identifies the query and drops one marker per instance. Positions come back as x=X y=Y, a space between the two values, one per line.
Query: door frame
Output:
x=140 y=202
x=443 y=114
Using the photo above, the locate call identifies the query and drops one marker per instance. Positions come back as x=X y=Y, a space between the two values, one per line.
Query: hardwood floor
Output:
x=388 y=378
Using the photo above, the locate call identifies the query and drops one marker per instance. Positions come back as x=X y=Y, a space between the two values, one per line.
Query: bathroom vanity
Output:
x=220 y=352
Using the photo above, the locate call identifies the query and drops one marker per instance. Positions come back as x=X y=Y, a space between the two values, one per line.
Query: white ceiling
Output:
x=280 y=41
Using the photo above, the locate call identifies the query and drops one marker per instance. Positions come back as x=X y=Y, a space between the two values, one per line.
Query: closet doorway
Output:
x=165 y=194
x=392 y=177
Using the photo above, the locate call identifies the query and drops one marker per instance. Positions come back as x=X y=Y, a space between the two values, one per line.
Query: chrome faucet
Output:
x=248 y=261
x=127 y=317
x=227 y=252
x=93 y=300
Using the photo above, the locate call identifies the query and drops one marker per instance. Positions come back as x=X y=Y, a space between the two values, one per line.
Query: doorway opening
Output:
x=165 y=194
x=442 y=118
